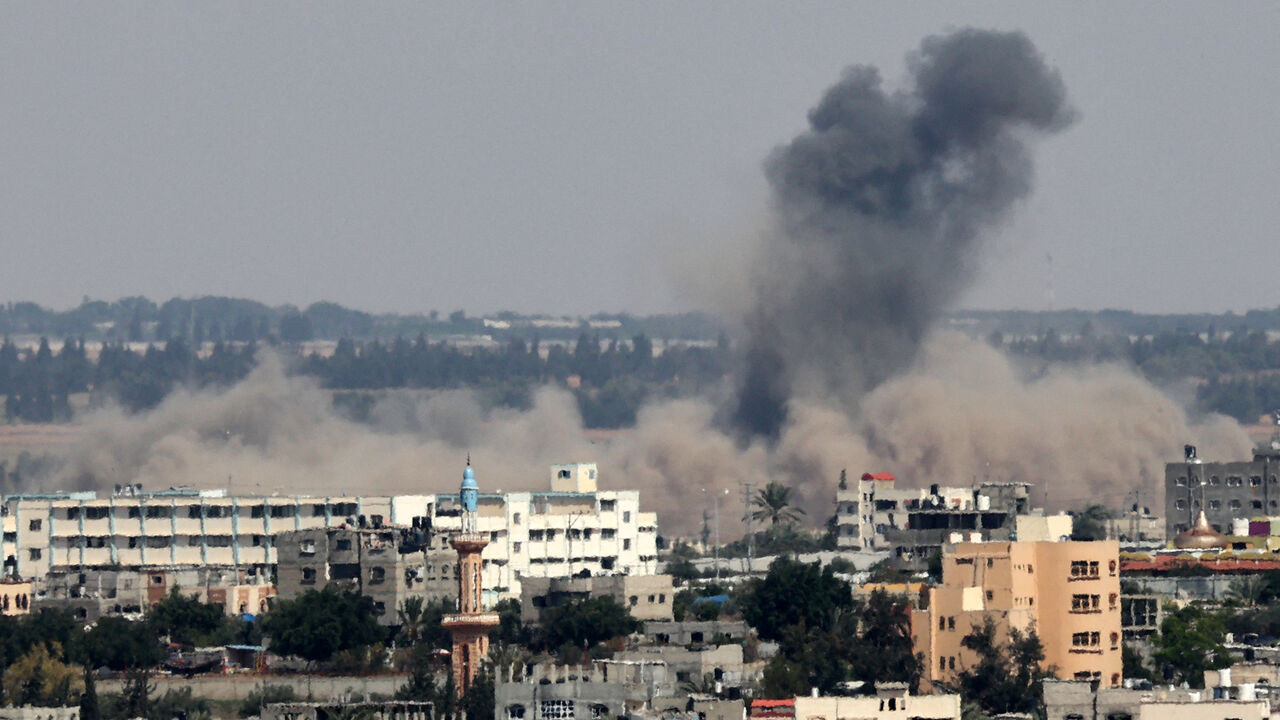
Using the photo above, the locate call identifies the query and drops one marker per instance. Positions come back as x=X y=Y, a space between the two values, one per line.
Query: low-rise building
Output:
x=15 y=596
x=647 y=597
x=1236 y=490
x=696 y=632
x=91 y=593
x=1078 y=700
x=1067 y=592
x=723 y=664
x=892 y=701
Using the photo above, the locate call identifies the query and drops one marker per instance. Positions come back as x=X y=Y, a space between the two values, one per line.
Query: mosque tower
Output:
x=471 y=624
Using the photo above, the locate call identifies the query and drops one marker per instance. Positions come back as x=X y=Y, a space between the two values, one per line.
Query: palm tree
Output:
x=773 y=503
x=412 y=616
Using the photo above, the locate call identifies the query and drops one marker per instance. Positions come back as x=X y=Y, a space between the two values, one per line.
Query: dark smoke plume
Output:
x=881 y=206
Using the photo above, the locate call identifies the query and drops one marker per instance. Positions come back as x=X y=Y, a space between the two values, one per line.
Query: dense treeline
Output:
x=609 y=379
x=214 y=319
x=1236 y=373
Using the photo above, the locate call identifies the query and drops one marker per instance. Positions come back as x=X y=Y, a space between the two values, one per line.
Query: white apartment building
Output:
x=571 y=528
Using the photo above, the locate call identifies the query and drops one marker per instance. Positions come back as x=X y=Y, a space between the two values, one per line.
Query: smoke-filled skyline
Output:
x=881 y=208
x=880 y=212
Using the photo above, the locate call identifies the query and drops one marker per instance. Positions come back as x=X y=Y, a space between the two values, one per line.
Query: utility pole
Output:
x=751 y=536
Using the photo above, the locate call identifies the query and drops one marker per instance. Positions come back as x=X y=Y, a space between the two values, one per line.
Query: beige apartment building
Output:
x=571 y=528
x=1068 y=592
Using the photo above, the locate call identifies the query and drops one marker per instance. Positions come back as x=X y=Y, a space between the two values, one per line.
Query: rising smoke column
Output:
x=880 y=208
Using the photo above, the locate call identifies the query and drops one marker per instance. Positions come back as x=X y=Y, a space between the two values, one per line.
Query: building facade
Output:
x=1067 y=592
x=15 y=596
x=647 y=597
x=874 y=514
x=384 y=563
x=571 y=528
x=1226 y=491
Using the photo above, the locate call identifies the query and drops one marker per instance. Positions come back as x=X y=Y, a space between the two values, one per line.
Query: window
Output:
x=193 y=512
x=608 y=533
x=1181 y=481
x=317 y=510
x=1112 y=600
x=626 y=544
x=556 y=709
x=1084 y=603
x=1081 y=569
x=515 y=546
x=942 y=623
x=990 y=596
x=633 y=600
x=515 y=712
x=156 y=511
x=308 y=576
x=535 y=535
x=551 y=534
x=515 y=520
x=951 y=623
x=1215 y=504
x=307 y=547
x=135 y=512
x=608 y=505
x=598 y=710
x=35 y=524
x=33 y=554
x=1234 y=504
x=626 y=516
x=1257 y=504
x=1255 y=481
x=255 y=511
x=1115 y=641
x=1111 y=567
x=1214 y=480
x=1180 y=504
x=1234 y=481
x=343 y=544
x=377 y=575
x=379 y=608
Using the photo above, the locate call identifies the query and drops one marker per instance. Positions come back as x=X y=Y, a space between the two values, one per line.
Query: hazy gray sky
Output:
x=564 y=157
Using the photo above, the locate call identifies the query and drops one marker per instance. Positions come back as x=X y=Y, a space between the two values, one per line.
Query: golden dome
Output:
x=1201 y=536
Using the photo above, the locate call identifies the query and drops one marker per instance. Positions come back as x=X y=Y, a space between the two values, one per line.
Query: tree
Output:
x=885 y=652
x=1190 y=642
x=773 y=503
x=40 y=678
x=794 y=593
x=410 y=615
x=89 y=708
x=188 y=621
x=121 y=644
x=320 y=623
x=479 y=700
x=586 y=622
x=1006 y=678
x=1248 y=590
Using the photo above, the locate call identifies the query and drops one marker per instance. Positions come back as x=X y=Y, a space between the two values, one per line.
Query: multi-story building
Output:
x=570 y=529
x=647 y=597
x=384 y=563
x=1067 y=592
x=1226 y=491
x=873 y=514
x=169 y=528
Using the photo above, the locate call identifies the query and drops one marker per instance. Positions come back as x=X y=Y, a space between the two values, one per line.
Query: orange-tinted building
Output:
x=470 y=626
x=1067 y=592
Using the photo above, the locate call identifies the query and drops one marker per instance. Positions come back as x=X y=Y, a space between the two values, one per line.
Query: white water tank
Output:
x=984 y=502
x=1248 y=693
x=1224 y=677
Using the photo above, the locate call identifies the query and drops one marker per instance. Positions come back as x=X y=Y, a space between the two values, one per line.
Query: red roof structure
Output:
x=878 y=476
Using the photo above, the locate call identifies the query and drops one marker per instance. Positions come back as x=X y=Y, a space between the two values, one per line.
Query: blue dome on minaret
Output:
x=469 y=493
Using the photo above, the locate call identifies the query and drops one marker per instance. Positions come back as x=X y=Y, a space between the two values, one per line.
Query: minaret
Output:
x=470 y=625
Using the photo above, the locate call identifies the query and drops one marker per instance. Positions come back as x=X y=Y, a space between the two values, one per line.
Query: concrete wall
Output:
x=238 y=687
x=1209 y=587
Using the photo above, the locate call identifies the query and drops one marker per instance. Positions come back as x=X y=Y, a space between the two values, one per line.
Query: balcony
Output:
x=486 y=618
